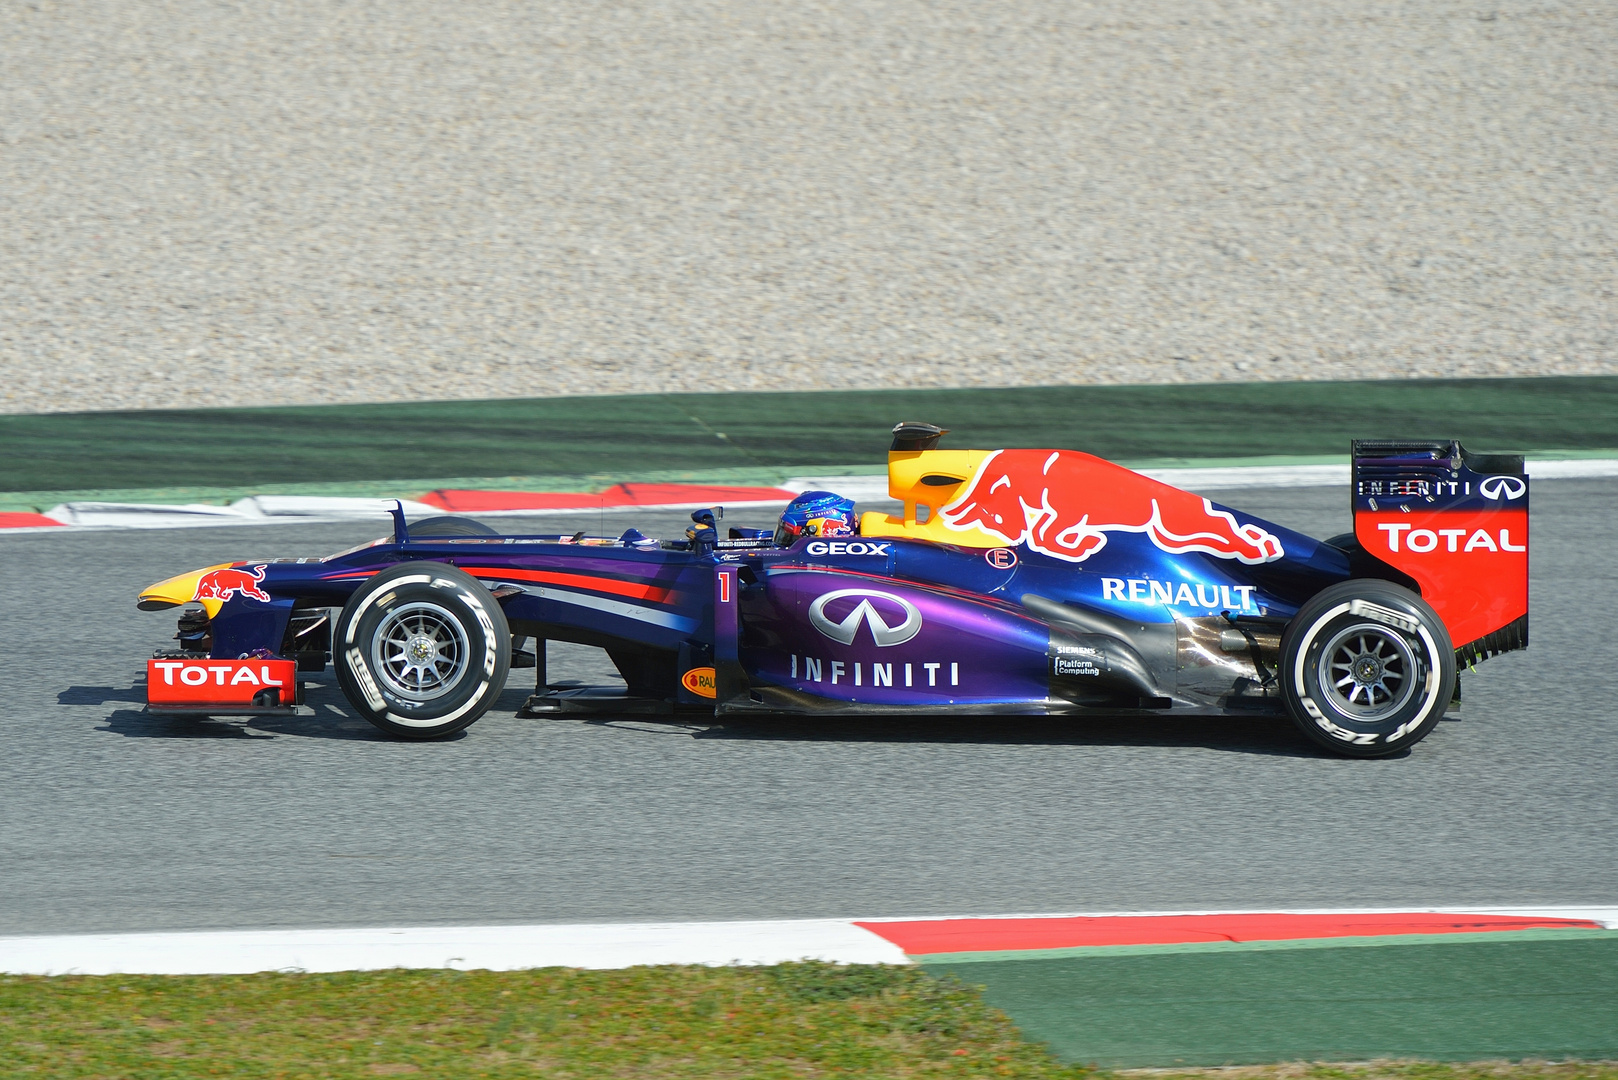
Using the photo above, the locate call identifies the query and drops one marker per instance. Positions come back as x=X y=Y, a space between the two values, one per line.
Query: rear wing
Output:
x=1457 y=523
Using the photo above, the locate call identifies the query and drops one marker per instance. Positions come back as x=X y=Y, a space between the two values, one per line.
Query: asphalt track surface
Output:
x=118 y=821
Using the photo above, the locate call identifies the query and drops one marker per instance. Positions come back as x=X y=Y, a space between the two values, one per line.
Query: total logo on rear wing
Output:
x=1456 y=523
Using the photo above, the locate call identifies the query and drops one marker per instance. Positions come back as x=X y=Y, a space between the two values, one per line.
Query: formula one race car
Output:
x=1013 y=581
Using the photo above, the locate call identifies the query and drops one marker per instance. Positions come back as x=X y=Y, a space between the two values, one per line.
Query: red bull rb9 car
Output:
x=1011 y=582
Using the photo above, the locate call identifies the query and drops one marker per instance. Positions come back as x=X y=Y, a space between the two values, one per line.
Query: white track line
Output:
x=507 y=948
x=1236 y=476
x=496 y=948
x=286 y=509
x=255 y=510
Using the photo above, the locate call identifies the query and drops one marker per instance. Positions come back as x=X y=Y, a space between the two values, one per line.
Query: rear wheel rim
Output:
x=419 y=652
x=1369 y=671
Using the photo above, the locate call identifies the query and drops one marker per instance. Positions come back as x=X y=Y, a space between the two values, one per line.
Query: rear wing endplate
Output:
x=1456 y=522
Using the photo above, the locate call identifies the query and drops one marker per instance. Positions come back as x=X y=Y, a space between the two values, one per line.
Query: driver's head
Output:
x=816 y=513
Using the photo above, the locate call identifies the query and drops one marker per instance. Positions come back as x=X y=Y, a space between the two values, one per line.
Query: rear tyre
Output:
x=449 y=525
x=422 y=650
x=1367 y=668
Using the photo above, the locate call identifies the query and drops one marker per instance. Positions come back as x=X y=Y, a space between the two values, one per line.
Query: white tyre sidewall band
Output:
x=1410 y=621
x=480 y=620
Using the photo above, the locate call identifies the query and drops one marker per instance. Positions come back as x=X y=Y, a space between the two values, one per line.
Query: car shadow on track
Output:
x=1256 y=735
x=100 y=695
x=329 y=718
x=137 y=723
x=143 y=725
x=333 y=718
x=134 y=724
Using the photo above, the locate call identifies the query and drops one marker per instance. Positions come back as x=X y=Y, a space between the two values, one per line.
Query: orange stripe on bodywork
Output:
x=636 y=590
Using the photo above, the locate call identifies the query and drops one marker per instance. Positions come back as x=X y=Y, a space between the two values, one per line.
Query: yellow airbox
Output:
x=926 y=481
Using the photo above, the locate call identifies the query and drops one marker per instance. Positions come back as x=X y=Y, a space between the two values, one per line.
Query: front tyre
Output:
x=1367 y=668
x=422 y=650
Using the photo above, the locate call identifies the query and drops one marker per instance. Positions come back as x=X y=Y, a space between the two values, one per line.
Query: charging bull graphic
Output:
x=222 y=584
x=1064 y=503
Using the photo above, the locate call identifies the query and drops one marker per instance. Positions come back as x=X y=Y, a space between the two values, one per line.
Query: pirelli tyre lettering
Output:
x=422 y=650
x=1367 y=668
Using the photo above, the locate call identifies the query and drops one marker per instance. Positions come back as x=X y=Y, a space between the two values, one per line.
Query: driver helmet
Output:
x=816 y=513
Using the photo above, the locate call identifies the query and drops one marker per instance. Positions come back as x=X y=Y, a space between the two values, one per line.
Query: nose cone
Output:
x=180 y=589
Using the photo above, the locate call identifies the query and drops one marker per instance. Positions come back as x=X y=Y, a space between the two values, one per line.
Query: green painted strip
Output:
x=620 y=436
x=1370 y=941
x=1473 y=1001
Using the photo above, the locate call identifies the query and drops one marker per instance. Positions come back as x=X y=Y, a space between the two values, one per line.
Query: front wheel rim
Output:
x=1369 y=671
x=419 y=652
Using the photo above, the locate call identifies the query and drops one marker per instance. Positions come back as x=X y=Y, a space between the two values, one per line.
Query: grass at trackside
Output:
x=667 y=1023
x=624 y=437
x=1455 y=1001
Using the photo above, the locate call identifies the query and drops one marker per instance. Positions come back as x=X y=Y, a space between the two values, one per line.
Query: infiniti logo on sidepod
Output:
x=881 y=633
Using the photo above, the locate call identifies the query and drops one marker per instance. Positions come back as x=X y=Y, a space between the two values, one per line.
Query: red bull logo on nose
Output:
x=223 y=584
x=1064 y=504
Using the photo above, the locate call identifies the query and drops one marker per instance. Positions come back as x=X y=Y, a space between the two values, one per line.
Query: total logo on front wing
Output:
x=222 y=673
x=196 y=682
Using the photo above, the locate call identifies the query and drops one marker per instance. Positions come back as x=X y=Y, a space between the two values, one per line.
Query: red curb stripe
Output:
x=471 y=502
x=19 y=520
x=991 y=935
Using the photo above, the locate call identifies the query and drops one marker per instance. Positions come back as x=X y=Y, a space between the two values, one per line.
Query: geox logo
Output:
x=846 y=547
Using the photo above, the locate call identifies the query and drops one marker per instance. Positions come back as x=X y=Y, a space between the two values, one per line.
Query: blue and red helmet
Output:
x=816 y=513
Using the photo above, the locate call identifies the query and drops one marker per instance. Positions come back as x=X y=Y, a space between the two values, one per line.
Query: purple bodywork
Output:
x=891 y=625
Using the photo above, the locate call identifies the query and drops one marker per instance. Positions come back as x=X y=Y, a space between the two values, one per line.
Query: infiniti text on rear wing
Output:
x=1457 y=524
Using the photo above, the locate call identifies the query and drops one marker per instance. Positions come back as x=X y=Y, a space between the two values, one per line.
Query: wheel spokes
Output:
x=1366 y=669
x=420 y=651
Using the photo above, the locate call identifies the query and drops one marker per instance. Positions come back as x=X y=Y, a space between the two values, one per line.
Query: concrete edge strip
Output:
x=282 y=509
x=507 y=948
x=495 y=948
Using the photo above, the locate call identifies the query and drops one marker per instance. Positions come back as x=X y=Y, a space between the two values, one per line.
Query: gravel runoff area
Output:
x=220 y=202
